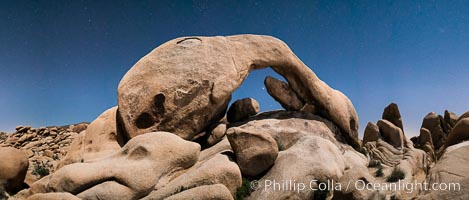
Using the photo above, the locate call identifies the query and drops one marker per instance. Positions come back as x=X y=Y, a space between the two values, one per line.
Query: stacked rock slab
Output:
x=391 y=113
x=185 y=85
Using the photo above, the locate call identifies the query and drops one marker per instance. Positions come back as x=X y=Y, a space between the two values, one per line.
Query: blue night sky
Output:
x=61 y=61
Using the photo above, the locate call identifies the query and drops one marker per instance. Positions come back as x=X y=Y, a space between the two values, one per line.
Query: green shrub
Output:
x=396 y=175
x=279 y=144
x=374 y=163
x=379 y=172
x=363 y=151
x=40 y=170
x=243 y=191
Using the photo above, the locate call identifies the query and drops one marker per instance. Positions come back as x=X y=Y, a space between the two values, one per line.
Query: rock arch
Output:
x=197 y=75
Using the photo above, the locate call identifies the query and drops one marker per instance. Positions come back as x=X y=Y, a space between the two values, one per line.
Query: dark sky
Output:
x=61 y=61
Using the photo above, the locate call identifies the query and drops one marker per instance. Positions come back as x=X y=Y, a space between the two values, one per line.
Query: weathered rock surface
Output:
x=242 y=109
x=391 y=133
x=13 y=168
x=464 y=115
x=216 y=134
x=371 y=133
x=459 y=133
x=282 y=93
x=450 y=120
x=309 y=148
x=185 y=84
x=216 y=169
x=432 y=123
x=99 y=140
x=451 y=171
x=130 y=173
x=255 y=151
x=391 y=113
x=205 y=192
x=45 y=146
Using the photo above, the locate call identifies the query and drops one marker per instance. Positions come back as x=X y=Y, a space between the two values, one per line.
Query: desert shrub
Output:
x=396 y=175
x=243 y=191
x=321 y=194
x=374 y=163
x=279 y=144
x=363 y=150
x=379 y=172
x=40 y=170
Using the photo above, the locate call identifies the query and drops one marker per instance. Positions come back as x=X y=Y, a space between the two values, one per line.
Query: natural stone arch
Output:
x=194 y=78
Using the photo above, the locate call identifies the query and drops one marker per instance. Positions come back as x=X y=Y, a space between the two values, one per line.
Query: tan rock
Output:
x=217 y=169
x=464 y=115
x=255 y=151
x=49 y=153
x=451 y=170
x=282 y=93
x=391 y=133
x=216 y=134
x=99 y=140
x=392 y=114
x=13 y=169
x=310 y=151
x=185 y=85
x=460 y=133
x=432 y=123
x=130 y=173
x=242 y=109
x=450 y=120
x=425 y=137
x=371 y=133
x=205 y=192
x=53 y=196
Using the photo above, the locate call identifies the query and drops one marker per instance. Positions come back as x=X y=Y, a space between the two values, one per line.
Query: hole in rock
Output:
x=253 y=86
x=143 y=121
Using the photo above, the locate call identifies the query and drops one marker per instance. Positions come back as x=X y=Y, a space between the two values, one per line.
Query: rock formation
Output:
x=45 y=146
x=242 y=109
x=171 y=137
x=13 y=169
x=185 y=84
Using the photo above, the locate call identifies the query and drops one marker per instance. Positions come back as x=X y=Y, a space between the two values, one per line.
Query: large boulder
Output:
x=371 y=133
x=283 y=93
x=391 y=133
x=432 y=123
x=185 y=85
x=464 y=115
x=460 y=133
x=217 y=169
x=13 y=168
x=450 y=120
x=449 y=176
x=255 y=151
x=99 y=140
x=392 y=114
x=242 y=109
x=310 y=148
x=133 y=172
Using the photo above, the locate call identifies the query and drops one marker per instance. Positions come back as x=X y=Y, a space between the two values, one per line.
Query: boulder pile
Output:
x=44 y=146
x=173 y=135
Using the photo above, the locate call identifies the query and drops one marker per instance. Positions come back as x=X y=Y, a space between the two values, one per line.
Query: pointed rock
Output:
x=392 y=114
